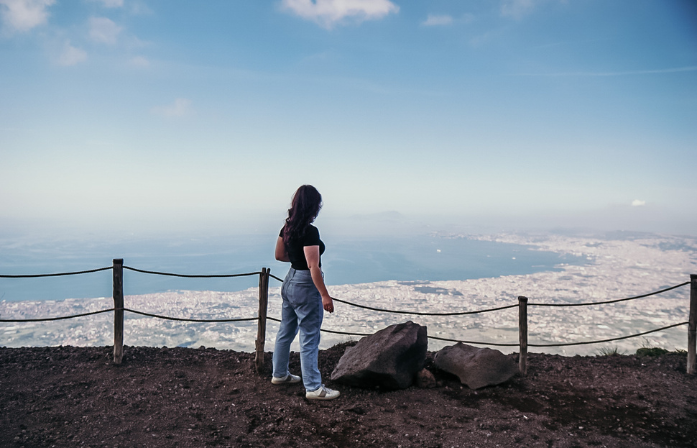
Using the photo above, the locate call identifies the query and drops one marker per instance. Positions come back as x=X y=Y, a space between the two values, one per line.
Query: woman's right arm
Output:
x=281 y=254
x=312 y=257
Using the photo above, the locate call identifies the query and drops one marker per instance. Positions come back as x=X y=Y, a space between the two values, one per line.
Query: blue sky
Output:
x=155 y=115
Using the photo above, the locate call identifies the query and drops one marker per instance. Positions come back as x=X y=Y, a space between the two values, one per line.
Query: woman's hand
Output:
x=328 y=303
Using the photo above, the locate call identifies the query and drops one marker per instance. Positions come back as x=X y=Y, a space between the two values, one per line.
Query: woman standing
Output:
x=304 y=294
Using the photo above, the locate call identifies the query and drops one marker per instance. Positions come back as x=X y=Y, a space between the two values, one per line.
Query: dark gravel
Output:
x=159 y=397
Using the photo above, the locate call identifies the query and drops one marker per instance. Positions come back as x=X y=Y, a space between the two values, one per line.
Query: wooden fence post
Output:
x=523 y=334
x=118 y=311
x=261 y=329
x=692 y=328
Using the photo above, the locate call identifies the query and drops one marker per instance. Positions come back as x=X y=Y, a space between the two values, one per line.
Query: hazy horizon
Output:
x=370 y=225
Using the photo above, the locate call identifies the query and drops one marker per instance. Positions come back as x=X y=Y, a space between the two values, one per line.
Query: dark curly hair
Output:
x=304 y=208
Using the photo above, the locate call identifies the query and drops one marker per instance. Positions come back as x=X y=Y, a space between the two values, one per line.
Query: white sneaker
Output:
x=288 y=379
x=323 y=393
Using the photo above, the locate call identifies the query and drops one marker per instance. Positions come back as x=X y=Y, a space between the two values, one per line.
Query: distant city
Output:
x=622 y=266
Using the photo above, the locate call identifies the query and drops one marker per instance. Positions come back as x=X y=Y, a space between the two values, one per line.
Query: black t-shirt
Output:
x=295 y=251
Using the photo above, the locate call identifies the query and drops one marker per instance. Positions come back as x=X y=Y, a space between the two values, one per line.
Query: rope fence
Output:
x=609 y=340
x=505 y=307
x=612 y=301
x=183 y=319
x=169 y=274
x=262 y=317
x=458 y=313
x=60 y=274
x=279 y=279
x=46 y=319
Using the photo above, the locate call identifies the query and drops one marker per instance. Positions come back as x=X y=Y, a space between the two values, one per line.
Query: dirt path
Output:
x=73 y=397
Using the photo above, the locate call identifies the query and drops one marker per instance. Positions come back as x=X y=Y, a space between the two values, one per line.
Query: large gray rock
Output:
x=476 y=367
x=389 y=358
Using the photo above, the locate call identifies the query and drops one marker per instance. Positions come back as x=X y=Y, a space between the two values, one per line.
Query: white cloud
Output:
x=468 y=18
x=638 y=203
x=516 y=8
x=71 y=55
x=327 y=13
x=139 y=61
x=437 y=20
x=111 y=3
x=104 y=30
x=23 y=15
x=139 y=9
x=180 y=108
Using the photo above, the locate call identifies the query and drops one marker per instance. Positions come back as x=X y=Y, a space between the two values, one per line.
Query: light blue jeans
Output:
x=302 y=309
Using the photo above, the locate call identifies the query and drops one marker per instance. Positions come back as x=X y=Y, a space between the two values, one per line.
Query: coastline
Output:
x=617 y=268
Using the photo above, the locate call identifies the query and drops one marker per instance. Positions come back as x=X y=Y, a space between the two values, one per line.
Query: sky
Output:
x=155 y=116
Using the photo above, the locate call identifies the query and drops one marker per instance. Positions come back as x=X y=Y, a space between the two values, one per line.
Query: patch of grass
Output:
x=651 y=351
x=348 y=340
x=609 y=351
x=647 y=350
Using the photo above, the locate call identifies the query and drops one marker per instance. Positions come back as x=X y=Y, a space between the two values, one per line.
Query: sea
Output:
x=420 y=257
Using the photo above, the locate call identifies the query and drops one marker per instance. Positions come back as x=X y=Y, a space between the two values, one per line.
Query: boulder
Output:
x=389 y=358
x=476 y=367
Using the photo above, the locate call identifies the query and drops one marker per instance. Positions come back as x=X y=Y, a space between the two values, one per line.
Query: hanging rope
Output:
x=142 y=271
x=610 y=301
x=608 y=340
x=183 y=319
x=60 y=274
x=46 y=319
x=458 y=313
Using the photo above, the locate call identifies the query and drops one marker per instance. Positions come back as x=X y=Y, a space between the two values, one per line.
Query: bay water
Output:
x=346 y=261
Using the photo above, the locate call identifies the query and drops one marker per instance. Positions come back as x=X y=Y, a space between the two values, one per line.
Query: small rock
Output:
x=356 y=410
x=425 y=379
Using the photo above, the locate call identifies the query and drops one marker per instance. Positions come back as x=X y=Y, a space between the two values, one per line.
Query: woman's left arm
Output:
x=281 y=254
